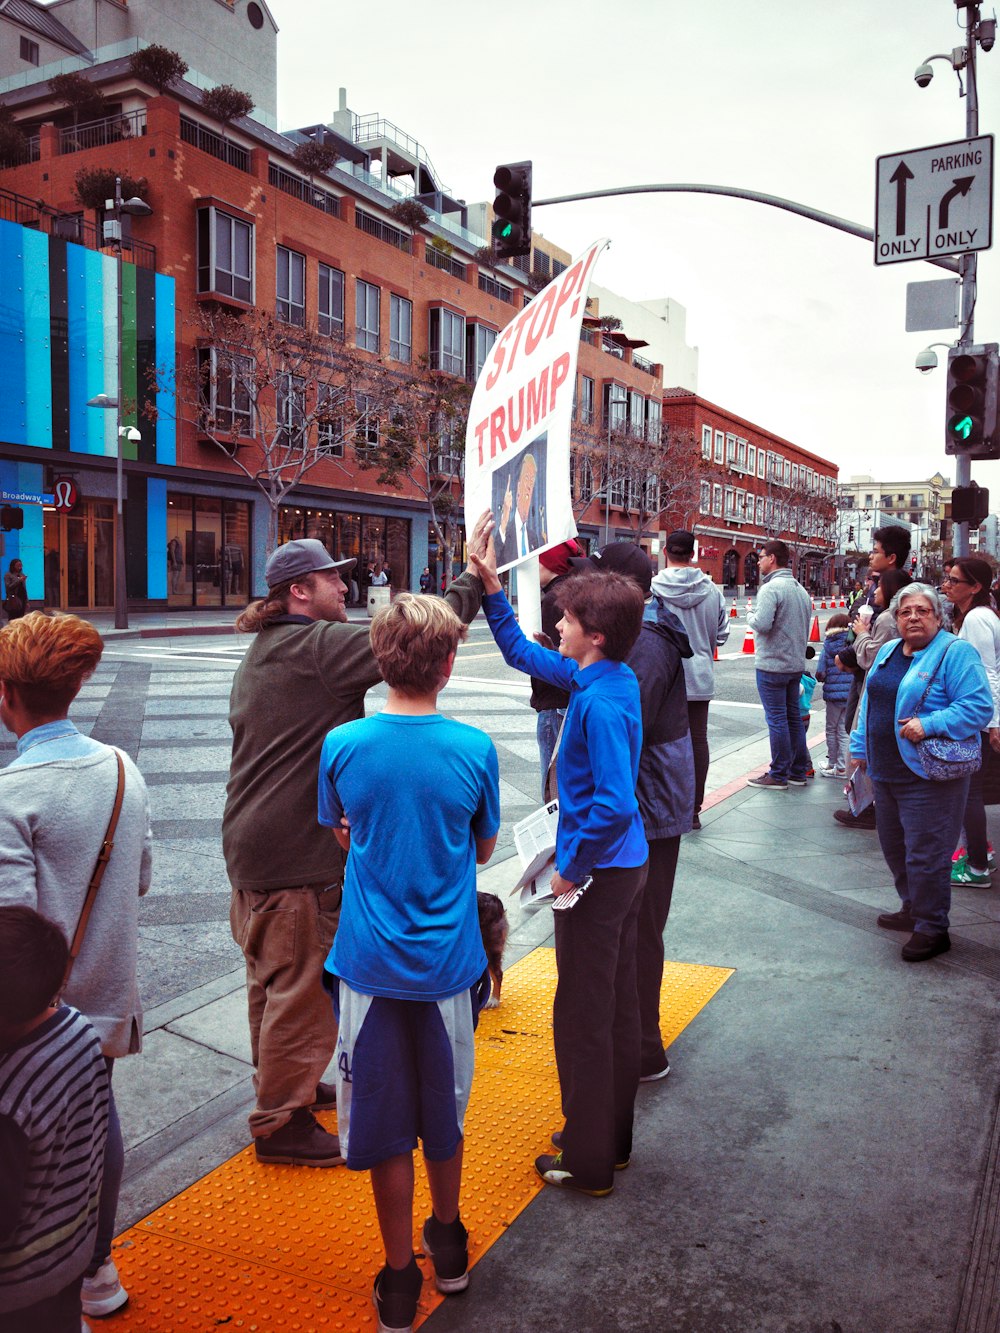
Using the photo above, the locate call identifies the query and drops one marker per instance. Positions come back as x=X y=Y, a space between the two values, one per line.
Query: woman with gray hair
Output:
x=926 y=684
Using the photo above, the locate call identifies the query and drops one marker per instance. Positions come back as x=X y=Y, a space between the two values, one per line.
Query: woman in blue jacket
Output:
x=927 y=683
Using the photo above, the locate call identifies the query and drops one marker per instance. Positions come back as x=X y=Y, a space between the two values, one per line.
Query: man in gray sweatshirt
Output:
x=780 y=623
x=700 y=607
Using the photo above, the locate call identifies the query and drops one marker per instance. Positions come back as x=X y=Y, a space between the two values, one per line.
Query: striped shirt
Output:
x=54 y=1102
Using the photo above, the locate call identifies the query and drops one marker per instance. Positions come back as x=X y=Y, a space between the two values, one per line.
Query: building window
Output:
x=761 y=463
x=331 y=301
x=741 y=454
x=705 y=503
x=654 y=420
x=636 y=414
x=787 y=471
x=720 y=446
x=400 y=328
x=366 y=430
x=615 y=406
x=290 y=287
x=586 y=401
x=543 y=263
x=619 y=493
x=447 y=340
x=479 y=340
x=717 y=500
x=751 y=459
x=706 y=441
x=795 y=474
x=366 y=316
x=225 y=254
x=447 y=458
x=760 y=511
x=330 y=436
x=585 y=480
x=225 y=380
x=29 y=50
x=291 y=403
x=730 y=513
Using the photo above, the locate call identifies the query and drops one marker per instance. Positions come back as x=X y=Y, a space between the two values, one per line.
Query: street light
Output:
x=117 y=208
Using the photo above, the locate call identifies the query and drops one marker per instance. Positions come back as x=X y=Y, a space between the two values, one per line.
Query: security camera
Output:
x=923 y=75
x=987 y=33
x=926 y=361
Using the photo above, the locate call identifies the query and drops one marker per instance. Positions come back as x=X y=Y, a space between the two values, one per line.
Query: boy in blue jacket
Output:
x=595 y=1015
x=836 y=692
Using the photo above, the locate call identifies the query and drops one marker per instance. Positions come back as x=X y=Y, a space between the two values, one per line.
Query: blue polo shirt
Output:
x=598 y=762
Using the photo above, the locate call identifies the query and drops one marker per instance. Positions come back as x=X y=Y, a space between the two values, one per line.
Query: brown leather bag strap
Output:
x=103 y=857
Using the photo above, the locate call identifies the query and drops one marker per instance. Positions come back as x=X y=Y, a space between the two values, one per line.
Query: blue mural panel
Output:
x=13 y=417
x=38 y=381
x=156 y=538
x=166 y=355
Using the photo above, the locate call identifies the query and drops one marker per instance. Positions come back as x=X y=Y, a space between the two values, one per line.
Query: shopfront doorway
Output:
x=80 y=557
x=208 y=550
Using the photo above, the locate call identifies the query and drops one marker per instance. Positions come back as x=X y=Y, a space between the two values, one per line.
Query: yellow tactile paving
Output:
x=265 y=1249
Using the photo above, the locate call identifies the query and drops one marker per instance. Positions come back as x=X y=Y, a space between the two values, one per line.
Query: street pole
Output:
x=121 y=582
x=967 y=262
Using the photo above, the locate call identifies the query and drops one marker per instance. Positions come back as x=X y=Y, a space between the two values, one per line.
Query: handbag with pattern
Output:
x=942 y=758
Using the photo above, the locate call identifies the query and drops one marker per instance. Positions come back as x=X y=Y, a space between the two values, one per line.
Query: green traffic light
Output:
x=506 y=231
x=962 y=427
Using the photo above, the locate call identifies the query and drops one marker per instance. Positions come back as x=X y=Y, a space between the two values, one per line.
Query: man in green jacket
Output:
x=306 y=671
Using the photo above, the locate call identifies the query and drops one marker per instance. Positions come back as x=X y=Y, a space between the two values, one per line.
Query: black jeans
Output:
x=698 y=722
x=595 y=1019
x=653 y=912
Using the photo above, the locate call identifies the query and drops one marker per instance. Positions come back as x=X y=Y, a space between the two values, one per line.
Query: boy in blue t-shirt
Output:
x=421 y=798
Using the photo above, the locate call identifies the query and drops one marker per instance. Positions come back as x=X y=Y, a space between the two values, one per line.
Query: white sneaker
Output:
x=828 y=771
x=103 y=1293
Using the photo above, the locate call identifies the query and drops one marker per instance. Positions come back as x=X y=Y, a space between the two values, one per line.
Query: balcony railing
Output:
x=641 y=363
x=382 y=231
x=70 y=227
x=498 y=290
x=31 y=152
x=198 y=136
x=438 y=259
x=101 y=133
x=303 y=189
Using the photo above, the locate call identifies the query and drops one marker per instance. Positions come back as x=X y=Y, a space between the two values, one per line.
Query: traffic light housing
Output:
x=11 y=518
x=971 y=421
x=970 y=504
x=512 y=209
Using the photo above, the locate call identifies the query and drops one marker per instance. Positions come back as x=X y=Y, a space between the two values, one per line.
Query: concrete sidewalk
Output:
x=823 y=1155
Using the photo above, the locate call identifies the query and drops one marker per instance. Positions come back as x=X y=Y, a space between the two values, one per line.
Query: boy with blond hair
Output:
x=407 y=971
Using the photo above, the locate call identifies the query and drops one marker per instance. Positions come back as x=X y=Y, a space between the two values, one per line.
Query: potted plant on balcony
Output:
x=159 y=66
x=226 y=104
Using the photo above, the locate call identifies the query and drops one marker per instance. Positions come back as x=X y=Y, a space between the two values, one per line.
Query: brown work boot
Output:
x=302 y=1141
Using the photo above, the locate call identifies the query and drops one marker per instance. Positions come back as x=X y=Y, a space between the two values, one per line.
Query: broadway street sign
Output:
x=934 y=201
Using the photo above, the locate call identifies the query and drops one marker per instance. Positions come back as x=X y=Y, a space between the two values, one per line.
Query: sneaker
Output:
x=960 y=854
x=103 y=1293
x=549 y=1166
x=963 y=873
x=326 y=1097
x=768 y=783
x=447 y=1247
x=828 y=771
x=810 y=772
x=897 y=921
x=865 y=820
x=557 y=1143
x=301 y=1142
x=655 y=1077
x=919 y=947
x=395 y=1296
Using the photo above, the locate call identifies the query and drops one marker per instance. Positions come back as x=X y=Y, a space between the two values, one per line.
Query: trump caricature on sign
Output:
x=519 y=503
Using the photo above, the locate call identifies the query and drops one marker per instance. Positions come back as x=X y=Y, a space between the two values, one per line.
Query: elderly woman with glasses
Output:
x=927 y=683
x=967 y=587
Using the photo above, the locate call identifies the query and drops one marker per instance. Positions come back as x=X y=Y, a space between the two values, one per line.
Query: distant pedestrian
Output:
x=407 y=971
x=15 y=583
x=53 y=1131
x=836 y=691
x=380 y=578
x=700 y=607
x=426 y=582
x=780 y=621
x=890 y=550
x=56 y=799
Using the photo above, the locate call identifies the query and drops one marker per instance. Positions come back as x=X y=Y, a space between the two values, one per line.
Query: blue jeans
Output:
x=918 y=824
x=779 y=693
x=547 y=728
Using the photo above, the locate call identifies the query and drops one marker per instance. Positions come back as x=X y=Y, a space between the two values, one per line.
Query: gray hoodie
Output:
x=700 y=607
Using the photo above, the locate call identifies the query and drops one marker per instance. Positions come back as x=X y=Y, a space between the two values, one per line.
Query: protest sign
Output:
x=517 y=444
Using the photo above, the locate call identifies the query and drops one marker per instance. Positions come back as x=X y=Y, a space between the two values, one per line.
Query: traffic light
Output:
x=850 y=534
x=512 y=207
x=971 y=423
x=11 y=518
x=970 y=504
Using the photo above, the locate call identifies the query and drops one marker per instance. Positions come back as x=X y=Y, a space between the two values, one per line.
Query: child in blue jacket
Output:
x=836 y=691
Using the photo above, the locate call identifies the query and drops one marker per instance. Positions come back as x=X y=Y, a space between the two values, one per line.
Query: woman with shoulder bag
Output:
x=967 y=587
x=15 y=585
x=926 y=700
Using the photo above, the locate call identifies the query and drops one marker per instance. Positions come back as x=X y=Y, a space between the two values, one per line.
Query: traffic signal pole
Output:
x=967 y=263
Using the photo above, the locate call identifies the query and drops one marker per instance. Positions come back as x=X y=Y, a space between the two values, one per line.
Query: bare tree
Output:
x=277 y=400
x=651 y=474
x=423 y=445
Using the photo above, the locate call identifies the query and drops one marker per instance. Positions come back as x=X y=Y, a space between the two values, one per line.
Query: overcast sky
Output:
x=797 y=329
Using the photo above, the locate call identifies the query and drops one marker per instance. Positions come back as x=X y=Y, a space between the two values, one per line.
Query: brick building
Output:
x=755 y=486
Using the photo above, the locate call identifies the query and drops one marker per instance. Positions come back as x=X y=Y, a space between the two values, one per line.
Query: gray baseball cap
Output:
x=308 y=555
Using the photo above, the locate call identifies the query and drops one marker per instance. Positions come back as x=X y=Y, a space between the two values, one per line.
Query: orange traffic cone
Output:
x=748 y=646
x=822 y=605
x=733 y=613
x=814 y=636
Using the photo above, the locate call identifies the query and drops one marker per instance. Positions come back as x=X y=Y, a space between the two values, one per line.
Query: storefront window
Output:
x=374 y=542
x=208 y=551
